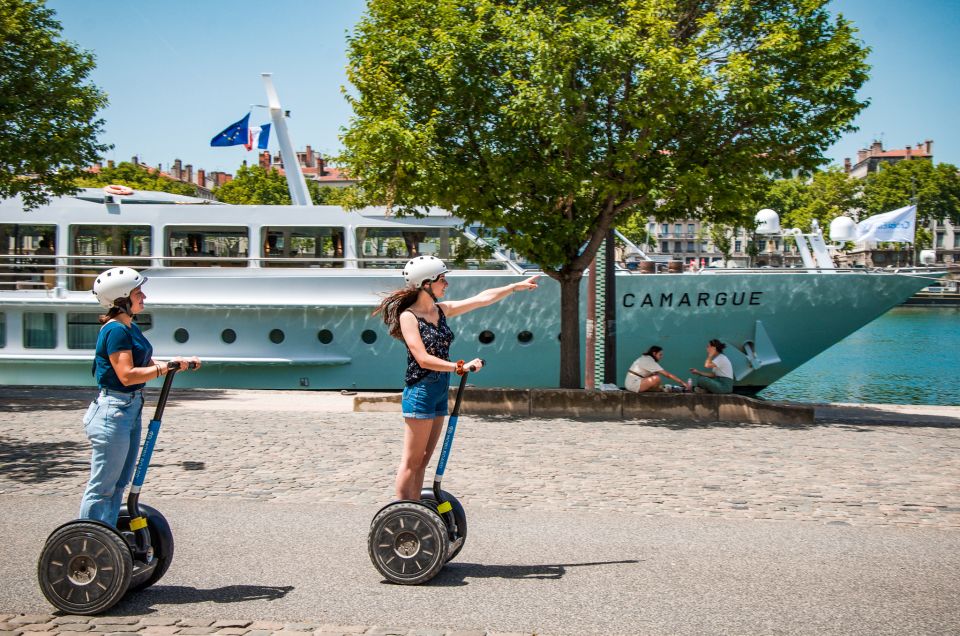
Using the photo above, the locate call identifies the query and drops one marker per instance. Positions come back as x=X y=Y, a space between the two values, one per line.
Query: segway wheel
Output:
x=459 y=515
x=408 y=543
x=161 y=538
x=84 y=568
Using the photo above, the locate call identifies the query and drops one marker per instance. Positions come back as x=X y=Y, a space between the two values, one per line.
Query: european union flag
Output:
x=233 y=135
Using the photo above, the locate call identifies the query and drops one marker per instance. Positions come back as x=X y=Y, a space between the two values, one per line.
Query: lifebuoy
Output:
x=120 y=190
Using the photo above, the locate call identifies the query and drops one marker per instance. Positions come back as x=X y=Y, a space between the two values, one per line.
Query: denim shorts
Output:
x=427 y=398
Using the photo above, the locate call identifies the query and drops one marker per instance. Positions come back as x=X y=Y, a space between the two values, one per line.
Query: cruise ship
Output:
x=280 y=297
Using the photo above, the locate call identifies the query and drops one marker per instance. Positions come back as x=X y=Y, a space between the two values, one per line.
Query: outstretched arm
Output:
x=672 y=377
x=486 y=297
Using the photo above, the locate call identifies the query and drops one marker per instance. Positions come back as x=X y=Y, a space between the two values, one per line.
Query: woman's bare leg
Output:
x=419 y=440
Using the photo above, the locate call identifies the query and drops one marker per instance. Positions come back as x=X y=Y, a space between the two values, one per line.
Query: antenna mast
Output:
x=291 y=167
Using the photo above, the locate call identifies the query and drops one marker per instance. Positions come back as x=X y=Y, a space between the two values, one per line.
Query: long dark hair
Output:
x=652 y=350
x=394 y=304
x=719 y=346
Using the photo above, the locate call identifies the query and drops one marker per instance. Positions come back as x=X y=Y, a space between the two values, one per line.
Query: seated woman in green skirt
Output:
x=718 y=378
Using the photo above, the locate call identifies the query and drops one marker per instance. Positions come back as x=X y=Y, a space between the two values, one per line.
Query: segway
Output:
x=410 y=541
x=87 y=566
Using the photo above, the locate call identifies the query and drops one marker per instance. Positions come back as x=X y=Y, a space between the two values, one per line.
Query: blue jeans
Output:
x=427 y=398
x=112 y=424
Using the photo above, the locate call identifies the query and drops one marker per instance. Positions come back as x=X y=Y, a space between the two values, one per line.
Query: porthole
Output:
x=486 y=337
x=325 y=336
x=276 y=336
x=525 y=337
x=181 y=335
x=229 y=336
x=369 y=336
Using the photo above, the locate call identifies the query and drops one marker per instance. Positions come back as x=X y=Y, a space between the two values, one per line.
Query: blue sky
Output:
x=178 y=72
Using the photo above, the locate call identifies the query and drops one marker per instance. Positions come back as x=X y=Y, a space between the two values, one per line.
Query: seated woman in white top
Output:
x=644 y=374
x=718 y=378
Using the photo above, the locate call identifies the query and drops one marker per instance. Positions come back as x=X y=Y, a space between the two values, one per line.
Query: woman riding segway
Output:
x=416 y=315
x=123 y=364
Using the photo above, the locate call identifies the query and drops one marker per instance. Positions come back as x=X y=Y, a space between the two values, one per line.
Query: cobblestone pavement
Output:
x=843 y=473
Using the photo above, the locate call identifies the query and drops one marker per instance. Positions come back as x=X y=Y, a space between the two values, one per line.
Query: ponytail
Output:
x=652 y=350
x=120 y=306
x=394 y=304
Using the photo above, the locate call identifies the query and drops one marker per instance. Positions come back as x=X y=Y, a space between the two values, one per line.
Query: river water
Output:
x=910 y=355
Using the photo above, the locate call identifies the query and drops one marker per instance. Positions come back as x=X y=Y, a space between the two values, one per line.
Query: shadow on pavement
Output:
x=38 y=462
x=456 y=574
x=22 y=399
x=143 y=602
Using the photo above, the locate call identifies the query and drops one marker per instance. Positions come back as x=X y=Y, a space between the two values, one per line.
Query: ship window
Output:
x=391 y=248
x=105 y=246
x=181 y=335
x=276 y=336
x=486 y=337
x=144 y=321
x=207 y=246
x=82 y=330
x=3 y=329
x=26 y=256
x=325 y=336
x=39 y=330
x=302 y=246
x=525 y=337
x=368 y=336
x=229 y=336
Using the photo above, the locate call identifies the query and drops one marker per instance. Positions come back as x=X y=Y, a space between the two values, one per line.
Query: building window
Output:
x=691 y=246
x=690 y=229
x=82 y=330
x=665 y=248
x=665 y=229
x=678 y=246
x=940 y=239
x=302 y=246
x=39 y=330
x=736 y=246
x=3 y=329
x=207 y=246
x=956 y=239
x=677 y=229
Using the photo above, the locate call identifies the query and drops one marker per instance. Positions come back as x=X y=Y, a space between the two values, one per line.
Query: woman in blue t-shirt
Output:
x=416 y=315
x=122 y=366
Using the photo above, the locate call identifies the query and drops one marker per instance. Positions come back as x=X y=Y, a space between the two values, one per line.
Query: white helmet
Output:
x=116 y=283
x=423 y=269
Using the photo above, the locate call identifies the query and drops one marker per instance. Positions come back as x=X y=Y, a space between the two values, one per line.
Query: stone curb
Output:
x=612 y=405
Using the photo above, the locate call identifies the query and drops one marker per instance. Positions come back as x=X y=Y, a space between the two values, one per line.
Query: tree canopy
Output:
x=549 y=121
x=136 y=177
x=252 y=185
x=935 y=189
x=49 y=110
x=822 y=197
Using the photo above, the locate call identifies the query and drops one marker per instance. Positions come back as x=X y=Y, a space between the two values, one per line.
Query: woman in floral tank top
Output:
x=416 y=315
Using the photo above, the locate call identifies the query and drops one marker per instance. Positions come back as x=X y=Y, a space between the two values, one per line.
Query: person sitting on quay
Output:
x=644 y=374
x=720 y=379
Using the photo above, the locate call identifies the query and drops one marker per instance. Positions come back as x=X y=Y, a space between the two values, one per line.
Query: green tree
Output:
x=252 y=185
x=136 y=177
x=722 y=238
x=48 y=110
x=822 y=198
x=549 y=121
x=634 y=227
x=935 y=190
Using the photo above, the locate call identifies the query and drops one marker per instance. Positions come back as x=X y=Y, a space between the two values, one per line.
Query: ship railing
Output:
x=33 y=272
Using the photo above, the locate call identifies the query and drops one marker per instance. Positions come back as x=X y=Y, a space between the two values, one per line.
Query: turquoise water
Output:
x=909 y=355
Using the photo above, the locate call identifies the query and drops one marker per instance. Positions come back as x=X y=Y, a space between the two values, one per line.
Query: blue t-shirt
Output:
x=115 y=336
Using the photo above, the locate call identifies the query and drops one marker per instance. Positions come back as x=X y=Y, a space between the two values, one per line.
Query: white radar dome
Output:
x=768 y=222
x=843 y=229
x=928 y=257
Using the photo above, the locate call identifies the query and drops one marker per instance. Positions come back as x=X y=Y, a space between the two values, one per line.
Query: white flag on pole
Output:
x=897 y=226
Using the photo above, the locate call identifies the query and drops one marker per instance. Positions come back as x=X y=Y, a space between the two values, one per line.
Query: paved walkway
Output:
x=860 y=466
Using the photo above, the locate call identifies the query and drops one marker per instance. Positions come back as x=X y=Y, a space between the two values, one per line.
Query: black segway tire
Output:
x=161 y=538
x=408 y=542
x=459 y=515
x=84 y=568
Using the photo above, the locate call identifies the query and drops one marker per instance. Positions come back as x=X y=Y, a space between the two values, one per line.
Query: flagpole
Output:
x=291 y=167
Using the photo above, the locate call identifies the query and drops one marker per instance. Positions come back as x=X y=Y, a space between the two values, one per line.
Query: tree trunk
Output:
x=570 y=333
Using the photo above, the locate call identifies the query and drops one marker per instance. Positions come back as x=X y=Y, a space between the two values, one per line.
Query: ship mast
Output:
x=291 y=167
